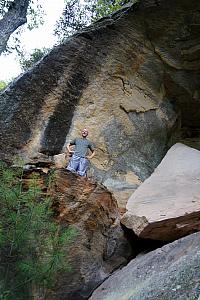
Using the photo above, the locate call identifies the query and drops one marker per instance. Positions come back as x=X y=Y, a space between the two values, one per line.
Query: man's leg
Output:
x=83 y=166
x=74 y=163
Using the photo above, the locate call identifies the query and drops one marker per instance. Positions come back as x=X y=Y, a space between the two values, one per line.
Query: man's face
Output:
x=84 y=132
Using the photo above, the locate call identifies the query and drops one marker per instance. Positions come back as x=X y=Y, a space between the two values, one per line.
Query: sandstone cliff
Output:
x=131 y=78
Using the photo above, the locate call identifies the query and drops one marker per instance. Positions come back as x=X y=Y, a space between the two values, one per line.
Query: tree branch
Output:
x=14 y=18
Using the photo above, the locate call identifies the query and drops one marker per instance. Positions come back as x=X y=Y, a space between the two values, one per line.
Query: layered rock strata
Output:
x=167 y=205
x=131 y=78
x=99 y=247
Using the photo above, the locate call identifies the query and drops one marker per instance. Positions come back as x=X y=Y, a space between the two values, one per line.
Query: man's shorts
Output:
x=78 y=164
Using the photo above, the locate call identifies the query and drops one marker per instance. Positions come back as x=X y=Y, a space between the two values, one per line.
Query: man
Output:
x=80 y=159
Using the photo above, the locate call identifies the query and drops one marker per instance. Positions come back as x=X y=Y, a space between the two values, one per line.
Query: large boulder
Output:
x=131 y=78
x=171 y=272
x=99 y=247
x=167 y=205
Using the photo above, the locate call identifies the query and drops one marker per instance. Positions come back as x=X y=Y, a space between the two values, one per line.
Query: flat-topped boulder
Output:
x=167 y=205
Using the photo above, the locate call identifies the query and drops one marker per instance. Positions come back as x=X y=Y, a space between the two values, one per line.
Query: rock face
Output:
x=167 y=205
x=98 y=248
x=171 y=272
x=132 y=79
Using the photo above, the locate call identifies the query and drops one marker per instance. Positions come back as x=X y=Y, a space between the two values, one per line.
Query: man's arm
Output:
x=92 y=155
x=69 y=148
x=69 y=145
x=92 y=149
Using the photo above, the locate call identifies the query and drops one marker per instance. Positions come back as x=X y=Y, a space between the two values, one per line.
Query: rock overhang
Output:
x=130 y=78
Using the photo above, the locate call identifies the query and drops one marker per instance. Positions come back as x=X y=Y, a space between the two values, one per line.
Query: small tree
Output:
x=32 y=245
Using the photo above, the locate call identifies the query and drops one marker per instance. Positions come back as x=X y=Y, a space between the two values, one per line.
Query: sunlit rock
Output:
x=132 y=79
x=167 y=205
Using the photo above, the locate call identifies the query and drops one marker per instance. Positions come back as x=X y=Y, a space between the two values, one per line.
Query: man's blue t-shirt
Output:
x=82 y=146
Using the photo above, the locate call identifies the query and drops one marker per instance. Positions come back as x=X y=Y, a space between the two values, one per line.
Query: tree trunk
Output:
x=14 y=18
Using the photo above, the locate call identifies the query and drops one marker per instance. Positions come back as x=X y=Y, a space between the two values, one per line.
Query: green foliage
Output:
x=3 y=85
x=35 y=15
x=78 y=14
x=32 y=245
x=75 y=16
x=106 y=7
x=27 y=61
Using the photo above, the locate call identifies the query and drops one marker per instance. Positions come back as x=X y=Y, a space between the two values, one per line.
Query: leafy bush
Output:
x=3 y=85
x=32 y=245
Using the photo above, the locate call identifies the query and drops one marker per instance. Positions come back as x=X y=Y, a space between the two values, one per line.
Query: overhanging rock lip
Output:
x=165 y=230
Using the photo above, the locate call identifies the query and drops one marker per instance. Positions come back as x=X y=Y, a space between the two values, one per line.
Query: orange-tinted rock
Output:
x=99 y=247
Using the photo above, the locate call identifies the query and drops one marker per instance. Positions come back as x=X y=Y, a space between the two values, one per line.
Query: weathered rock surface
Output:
x=98 y=248
x=171 y=272
x=167 y=205
x=132 y=79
